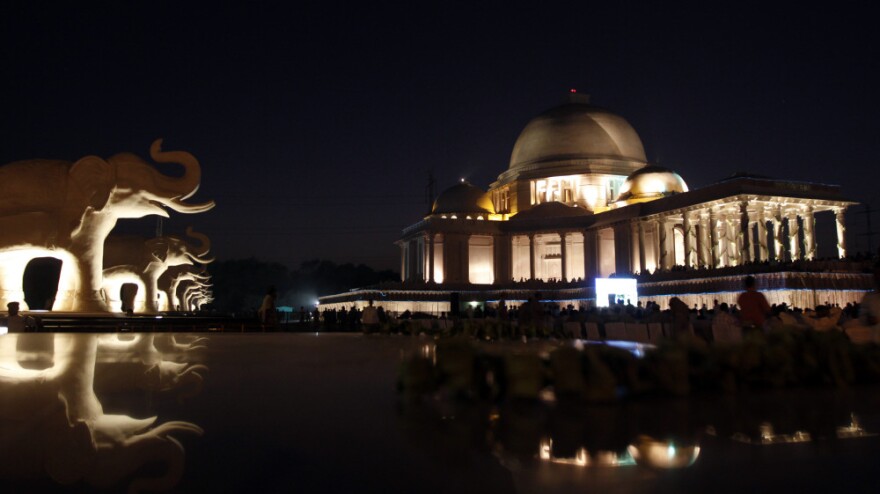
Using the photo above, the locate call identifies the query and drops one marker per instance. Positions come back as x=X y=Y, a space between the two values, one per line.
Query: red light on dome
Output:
x=572 y=90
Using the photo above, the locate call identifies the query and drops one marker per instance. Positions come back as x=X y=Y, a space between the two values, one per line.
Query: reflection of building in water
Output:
x=767 y=435
x=645 y=451
x=583 y=458
x=580 y=200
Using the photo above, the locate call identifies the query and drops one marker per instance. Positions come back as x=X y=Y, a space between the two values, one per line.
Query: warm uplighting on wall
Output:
x=481 y=265
x=662 y=454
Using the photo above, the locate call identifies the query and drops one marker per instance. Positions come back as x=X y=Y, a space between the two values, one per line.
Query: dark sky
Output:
x=317 y=122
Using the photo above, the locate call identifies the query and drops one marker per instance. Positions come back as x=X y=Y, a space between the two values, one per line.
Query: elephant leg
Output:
x=11 y=276
x=150 y=291
x=75 y=358
x=88 y=253
x=66 y=288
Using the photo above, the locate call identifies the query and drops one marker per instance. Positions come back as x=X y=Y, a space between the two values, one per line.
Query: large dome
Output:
x=576 y=131
x=463 y=198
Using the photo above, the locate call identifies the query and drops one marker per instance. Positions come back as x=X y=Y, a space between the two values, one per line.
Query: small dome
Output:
x=576 y=131
x=649 y=183
x=463 y=198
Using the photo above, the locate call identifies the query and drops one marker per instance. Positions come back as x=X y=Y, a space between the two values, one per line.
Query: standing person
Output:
x=370 y=318
x=753 y=306
x=869 y=308
x=267 y=312
x=681 y=317
x=16 y=323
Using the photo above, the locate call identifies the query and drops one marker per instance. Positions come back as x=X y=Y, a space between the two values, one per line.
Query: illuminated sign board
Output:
x=616 y=290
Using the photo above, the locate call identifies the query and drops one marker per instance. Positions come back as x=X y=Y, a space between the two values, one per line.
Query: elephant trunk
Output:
x=179 y=188
x=204 y=244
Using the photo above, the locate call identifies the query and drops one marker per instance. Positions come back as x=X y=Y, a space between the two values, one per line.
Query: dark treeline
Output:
x=239 y=284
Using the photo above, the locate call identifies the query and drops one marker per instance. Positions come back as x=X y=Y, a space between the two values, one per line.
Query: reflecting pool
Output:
x=321 y=413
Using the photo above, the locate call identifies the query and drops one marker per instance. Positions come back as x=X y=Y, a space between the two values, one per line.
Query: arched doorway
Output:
x=40 y=282
x=127 y=294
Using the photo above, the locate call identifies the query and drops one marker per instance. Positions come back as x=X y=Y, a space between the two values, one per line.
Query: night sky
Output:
x=317 y=123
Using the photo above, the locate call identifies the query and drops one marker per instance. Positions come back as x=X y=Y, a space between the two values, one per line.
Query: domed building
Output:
x=579 y=200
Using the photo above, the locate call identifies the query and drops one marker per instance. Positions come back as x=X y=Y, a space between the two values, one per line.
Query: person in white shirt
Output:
x=869 y=309
x=370 y=318
x=15 y=322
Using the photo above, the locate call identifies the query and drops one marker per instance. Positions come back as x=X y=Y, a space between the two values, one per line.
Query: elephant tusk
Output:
x=182 y=207
x=176 y=426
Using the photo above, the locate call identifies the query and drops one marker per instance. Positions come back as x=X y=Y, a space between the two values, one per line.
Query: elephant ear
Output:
x=94 y=179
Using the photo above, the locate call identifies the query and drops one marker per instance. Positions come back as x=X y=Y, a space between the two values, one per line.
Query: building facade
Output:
x=579 y=200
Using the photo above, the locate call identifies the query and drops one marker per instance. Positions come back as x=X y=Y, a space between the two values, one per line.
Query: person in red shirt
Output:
x=753 y=306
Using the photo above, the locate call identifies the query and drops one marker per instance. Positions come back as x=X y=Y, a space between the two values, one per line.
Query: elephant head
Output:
x=175 y=251
x=139 y=189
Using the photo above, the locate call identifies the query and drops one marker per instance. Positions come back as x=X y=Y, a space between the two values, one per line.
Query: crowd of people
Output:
x=752 y=312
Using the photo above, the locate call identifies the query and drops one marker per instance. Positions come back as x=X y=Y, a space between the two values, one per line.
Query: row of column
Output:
x=711 y=237
x=723 y=237
x=418 y=257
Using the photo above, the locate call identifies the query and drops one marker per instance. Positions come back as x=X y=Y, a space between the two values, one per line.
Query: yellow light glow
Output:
x=662 y=454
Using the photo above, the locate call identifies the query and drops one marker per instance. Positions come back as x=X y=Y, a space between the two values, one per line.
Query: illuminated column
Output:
x=733 y=239
x=661 y=244
x=763 y=253
x=713 y=239
x=705 y=241
x=778 y=235
x=839 y=215
x=430 y=258
x=793 y=234
x=809 y=233
x=721 y=255
x=563 y=254
x=402 y=262
x=746 y=232
x=642 y=264
x=690 y=241
x=531 y=256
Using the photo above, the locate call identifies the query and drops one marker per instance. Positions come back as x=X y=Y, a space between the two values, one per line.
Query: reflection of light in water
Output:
x=766 y=436
x=428 y=351
x=662 y=454
x=582 y=458
x=637 y=349
x=854 y=429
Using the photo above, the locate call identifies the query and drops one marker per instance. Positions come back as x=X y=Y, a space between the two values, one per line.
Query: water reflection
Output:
x=52 y=422
x=629 y=443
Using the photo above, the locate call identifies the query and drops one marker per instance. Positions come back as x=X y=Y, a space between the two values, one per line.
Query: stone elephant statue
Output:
x=134 y=259
x=52 y=208
x=173 y=278
x=194 y=295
